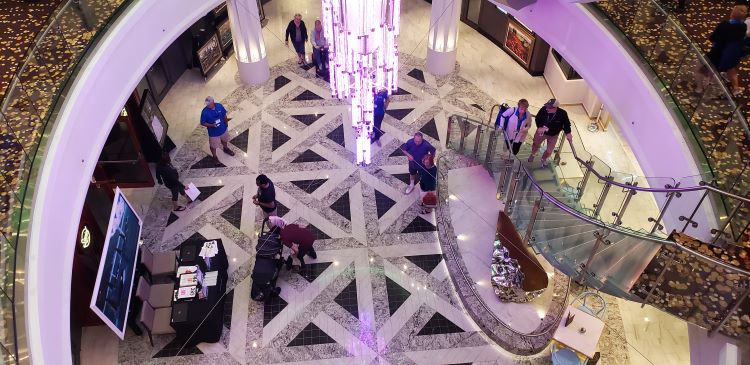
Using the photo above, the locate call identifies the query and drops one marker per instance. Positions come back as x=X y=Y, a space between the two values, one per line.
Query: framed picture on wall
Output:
x=220 y=9
x=209 y=54
x=153 y=117
x=224 y=30
x=519 y=41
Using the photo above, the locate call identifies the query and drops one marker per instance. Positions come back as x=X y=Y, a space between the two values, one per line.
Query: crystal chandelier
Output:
x=363 y=57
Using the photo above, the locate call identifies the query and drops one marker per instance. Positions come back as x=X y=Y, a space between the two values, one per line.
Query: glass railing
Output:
x=26 y=117
x=588 y=243
x=714 y=124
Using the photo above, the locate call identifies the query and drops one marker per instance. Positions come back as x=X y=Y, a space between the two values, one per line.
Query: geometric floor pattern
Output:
x=379 y=291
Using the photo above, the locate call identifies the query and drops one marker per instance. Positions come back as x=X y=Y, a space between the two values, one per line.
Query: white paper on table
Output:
x=157 y=128
x=188 y=279
x=192 y=192
x=187 y=292
x=186 y=270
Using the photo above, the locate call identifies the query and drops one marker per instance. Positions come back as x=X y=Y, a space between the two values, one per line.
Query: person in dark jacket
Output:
x=381 y=104
x=166 y=174
x=298 y=32
x=727 y=50
x=550 y=121
x=427 y=182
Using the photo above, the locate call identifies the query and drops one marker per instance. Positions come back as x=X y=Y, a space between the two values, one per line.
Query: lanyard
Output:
x=549 y=119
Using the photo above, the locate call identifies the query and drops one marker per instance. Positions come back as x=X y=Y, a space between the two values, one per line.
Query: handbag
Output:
x=429 y=199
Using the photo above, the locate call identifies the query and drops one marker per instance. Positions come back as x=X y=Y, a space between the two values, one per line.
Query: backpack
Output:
x=500 y=118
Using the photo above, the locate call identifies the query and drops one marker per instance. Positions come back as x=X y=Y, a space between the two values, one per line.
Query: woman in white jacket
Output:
x=516 y=124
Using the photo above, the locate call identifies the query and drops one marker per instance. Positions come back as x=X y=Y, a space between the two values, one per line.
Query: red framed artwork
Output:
x=519 y=41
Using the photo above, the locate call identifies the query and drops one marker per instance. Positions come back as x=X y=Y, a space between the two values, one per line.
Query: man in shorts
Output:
x=214 y=118
x=415 y=149
x=266 y=196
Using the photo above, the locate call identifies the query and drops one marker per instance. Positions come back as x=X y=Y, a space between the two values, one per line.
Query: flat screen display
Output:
x=114 y=281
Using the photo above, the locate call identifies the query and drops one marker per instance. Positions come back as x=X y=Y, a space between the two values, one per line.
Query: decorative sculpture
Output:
x=507 y=278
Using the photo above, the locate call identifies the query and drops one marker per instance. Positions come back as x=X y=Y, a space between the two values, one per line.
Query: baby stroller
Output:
x=267 y=264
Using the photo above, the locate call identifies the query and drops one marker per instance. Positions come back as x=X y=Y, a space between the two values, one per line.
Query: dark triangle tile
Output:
x=233 y=214
x=401 y=91
x=342 y=206
x=307 y=95
x=426 y=262
x=383 y=203
x=281 y=209
x=347 y=299
x=195 y=237
x=430 y=129
x=280 y=82
x=278 y=139
x=311 y=271
x=319 y=235
x=311 y=335
x=406 y=178
x=439 y=325
x=172 y=218
x=272 y=307
x=337 y=135
x=228 y=302
x=309 y=186
x=417 y=74
x=307 y=119
x=240 y=141
x=398 y=152
x=207 y=191
x=397 y=295
x=309 y=156
x=307 y=66
x=175 y=348
x=399 y=113
x=419 y=224
x=207 y=162
x=477 y=106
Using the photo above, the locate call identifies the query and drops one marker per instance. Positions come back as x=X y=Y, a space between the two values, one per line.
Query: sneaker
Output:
x=409 y=189
x=531 y=158
x=288 y=263
x=229 y=152
x=544 y=163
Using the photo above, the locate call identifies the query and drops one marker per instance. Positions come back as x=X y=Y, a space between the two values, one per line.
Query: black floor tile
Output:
x=281 y=209
x=477 y=106
x=319 y=235
x=337 y=135
x=307 y=95
x=240 y=141
x=401 y=91
x=342 y=206
x=307 y=119
x=397 y=295
x=399 y=114
x=195 y=237
x=347 y=299
x=272 y=307
x=311 y=271
x=397 y=153
x=307 y=66
x=233 y=214
x=406 y=178
x=309 y=156
x=173 y=349
x=426 y=262
x=438 y=325
x=419 y=224
x=278 y=139
x=207 y=162
x=430 y=129
x=383 y=203
x=417 y=74
x=172 y=218
x=207 y=191
x=311 y=335
x=280 y=82
x=309 y=186
x=228 y=303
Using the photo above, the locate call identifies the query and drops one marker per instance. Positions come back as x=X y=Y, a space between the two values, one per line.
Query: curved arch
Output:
x=112 y=71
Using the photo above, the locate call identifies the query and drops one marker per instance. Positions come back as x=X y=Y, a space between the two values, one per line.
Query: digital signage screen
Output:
x=114 y=281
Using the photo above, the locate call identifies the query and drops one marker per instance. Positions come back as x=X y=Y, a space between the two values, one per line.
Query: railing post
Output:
x=657 y=222
x=625 y=203
x=721 y=232
x=689 y=220
x=659 y=278
x=503 y=180
x=600 y=239
x=532 y=219
x=512 y=190
x=603 y=196
x=462 y=127
x=477 y=142
x=582 y=185
x=491 y=144
x=448 y=135
x=734 y=308
x=558 y=150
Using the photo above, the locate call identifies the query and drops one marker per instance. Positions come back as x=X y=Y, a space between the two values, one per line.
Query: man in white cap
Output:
x=214 y=118
x=550 y=121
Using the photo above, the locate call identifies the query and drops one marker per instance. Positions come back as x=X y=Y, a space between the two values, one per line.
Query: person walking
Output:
x=415 y=149
x=266 y=196
x=298 y=32
x=214 y=118
x=550 y=120
x=166 y=174
x=381 y=104
x=428 y=184
x=516 y=125
x=726 y=50
x=320 y=47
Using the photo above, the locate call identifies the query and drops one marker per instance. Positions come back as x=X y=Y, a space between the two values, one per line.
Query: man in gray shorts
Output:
x=214 y=118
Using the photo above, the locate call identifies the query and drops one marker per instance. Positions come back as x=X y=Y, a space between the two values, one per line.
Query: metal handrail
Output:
x=619 y=229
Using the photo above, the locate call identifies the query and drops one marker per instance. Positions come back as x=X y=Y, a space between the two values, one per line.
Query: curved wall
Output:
x=100 y=90
x=641 y=115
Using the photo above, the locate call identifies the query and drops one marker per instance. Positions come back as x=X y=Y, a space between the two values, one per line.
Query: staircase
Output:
x=588 y=226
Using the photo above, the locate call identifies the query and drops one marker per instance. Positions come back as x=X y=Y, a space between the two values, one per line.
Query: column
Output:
x=443 y=36
x=247 y=36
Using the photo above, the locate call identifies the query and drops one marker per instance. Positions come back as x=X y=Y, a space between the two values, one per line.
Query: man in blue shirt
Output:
x=415 y=149
x=381 y=103
x=214 y=118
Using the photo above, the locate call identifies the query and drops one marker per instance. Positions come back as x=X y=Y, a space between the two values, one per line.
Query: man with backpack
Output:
x=515 y=123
